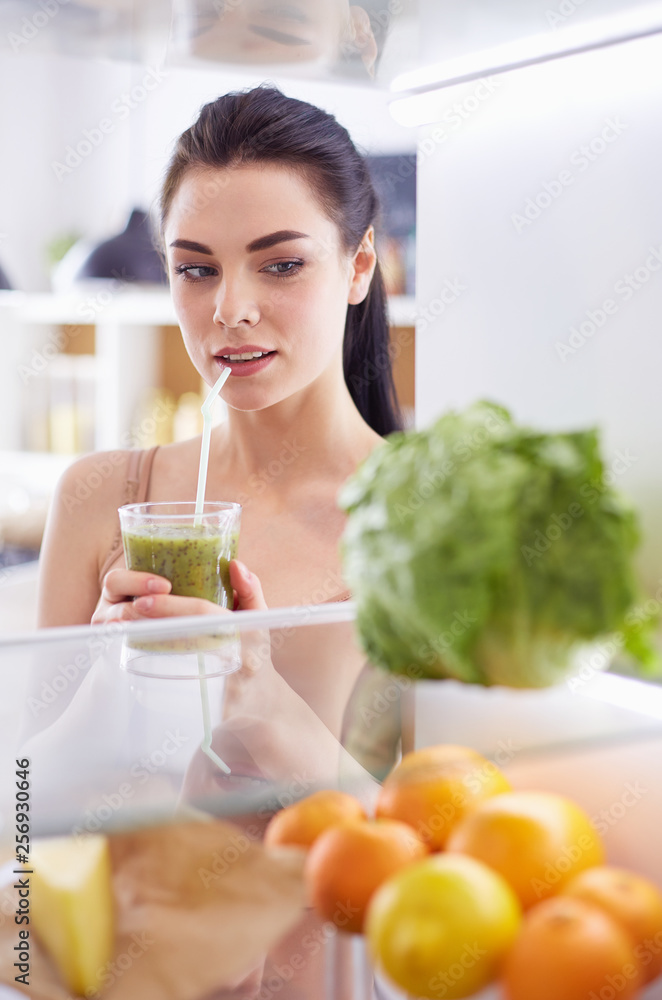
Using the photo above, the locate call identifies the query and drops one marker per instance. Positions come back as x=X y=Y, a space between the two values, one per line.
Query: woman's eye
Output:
x=194 y=272
x=284 y=268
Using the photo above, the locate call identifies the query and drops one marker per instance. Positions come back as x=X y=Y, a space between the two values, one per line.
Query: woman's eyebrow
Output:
x=191 y=245
x=282 y=236
x=261 y=243
x=278 y=36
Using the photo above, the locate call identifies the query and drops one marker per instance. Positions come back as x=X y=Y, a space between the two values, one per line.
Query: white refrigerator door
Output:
x=539 y=267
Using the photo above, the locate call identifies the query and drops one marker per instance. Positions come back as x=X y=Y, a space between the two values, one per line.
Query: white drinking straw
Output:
x=206 y=719
x=206 y=438
x=199 y=507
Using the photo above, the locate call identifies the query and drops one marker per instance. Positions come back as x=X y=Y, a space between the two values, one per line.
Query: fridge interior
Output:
x=125 y=729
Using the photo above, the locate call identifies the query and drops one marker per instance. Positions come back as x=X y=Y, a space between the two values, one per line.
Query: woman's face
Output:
x=257 y=268
x=277 y=31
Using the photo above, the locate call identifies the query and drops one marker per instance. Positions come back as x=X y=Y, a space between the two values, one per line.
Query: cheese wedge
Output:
x=72 y=907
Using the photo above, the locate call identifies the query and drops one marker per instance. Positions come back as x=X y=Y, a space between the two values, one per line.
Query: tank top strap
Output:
x=136 y=458
x=139 y=473
x=136 y=490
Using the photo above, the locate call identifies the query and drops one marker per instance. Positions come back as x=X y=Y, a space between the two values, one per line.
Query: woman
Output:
x=267 y=219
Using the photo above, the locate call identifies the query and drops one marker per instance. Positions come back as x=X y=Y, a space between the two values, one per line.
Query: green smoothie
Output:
x=195 y=558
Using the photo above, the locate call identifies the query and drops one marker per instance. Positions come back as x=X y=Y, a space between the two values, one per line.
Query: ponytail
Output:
x=367 y=360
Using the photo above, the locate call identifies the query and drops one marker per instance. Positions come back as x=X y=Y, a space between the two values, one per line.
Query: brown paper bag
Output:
x=198 y=907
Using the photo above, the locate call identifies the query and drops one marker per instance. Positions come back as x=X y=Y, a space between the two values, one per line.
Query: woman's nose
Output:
x=235 y=306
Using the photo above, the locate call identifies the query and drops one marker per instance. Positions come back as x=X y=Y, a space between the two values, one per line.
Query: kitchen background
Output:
x=538 y=262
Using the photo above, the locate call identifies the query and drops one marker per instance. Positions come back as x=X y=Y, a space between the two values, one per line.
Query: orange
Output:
x=432 y=789
x=347 y=863
x=633 y=902
x=570 y=950
x=536 y=840
x=441 y=927
x=300 y=824
x=439 y=753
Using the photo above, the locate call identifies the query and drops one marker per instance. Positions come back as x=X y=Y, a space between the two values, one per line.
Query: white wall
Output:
x=49 y=103
x=526 y=283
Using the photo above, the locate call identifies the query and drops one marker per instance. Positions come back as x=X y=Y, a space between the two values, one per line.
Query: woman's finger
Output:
x=122 y=611
x=121 y=584
x=167 y=606
x=247 y=588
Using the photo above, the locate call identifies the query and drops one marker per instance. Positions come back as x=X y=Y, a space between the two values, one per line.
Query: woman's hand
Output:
x=129 y=595
x=247 y=588
x=122 y=590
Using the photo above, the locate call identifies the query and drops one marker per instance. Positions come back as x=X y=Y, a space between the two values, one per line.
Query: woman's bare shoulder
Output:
x=80 y=531
x=93 y=483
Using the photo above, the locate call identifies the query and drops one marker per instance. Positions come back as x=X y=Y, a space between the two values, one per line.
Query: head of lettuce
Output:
x=488 y=552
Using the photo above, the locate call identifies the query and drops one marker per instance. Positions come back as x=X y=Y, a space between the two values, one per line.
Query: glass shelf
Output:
x=89 y=704
x=359 y=44
x=416 y=43
x=134 y=726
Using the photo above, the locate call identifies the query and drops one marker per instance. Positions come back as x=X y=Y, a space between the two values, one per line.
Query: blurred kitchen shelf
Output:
x=18 y=598
x=138 y=307
x=14 y=555
x=133 y=340
x=95 y=304
x=38 y=471
x=27 y=483
x=402 y=310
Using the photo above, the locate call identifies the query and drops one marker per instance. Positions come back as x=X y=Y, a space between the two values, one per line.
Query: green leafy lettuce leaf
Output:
x=489 y=552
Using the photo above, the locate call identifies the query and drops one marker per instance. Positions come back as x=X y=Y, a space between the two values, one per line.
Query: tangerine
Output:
x=300 y=824
x=432 y=789
x=568 y=949
x=536 y=840
x=347 y=863
x=633 y=902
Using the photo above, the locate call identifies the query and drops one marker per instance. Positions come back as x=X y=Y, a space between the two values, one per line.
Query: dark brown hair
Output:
x=263 y=125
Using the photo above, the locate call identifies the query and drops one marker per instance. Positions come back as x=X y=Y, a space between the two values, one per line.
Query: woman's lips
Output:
x=246 y=367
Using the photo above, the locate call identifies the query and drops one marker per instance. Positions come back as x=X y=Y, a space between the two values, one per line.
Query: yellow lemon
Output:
x=442 y=926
